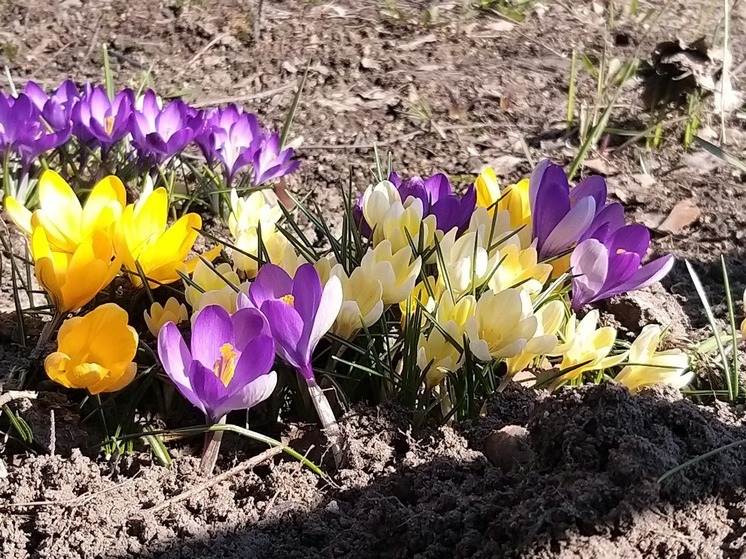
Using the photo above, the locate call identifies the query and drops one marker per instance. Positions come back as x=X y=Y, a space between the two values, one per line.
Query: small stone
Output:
x=508 y=448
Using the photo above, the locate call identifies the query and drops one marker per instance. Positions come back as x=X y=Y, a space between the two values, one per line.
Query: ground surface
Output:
x=496 y=93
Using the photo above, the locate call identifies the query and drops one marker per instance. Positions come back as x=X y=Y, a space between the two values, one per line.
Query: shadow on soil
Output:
x=576 y=479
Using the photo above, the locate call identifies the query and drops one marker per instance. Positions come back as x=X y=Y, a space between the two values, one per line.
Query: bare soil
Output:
x=575 y=474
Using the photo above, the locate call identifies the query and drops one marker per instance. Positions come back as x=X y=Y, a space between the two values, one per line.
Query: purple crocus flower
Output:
x=56 y=109
x=232 y=137
x=438 y=199
x=611 y=265
x=299 y=311
x=270 y=161
x=100 y=121
x=23 y=129
x=562 y=216
x=229 y=364
x=159 y=134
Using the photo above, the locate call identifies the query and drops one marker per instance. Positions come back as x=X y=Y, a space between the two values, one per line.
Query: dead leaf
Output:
x=289 y=67
x=682 y=215
x=418 y=42
x=599 y=166
x=504 y=165
x=500 y=26
x=369 y=63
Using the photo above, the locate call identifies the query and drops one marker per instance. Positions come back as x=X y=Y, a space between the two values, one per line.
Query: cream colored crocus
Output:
x=520 y=268
x=494 y=229
x=362 y=304
x=146 y=243
x=466 y=261
x=277 y=249
x=258 y=207
x=586 y=347
x=502 y=325
x=439 y=355
x=95 y=352
x=426 y=295
x=405 y=226
x=396 y=270
x=377 y=201
x=549 y=320
x=212 y=285
x=457 y=310
x=648 y=366
x=514 y=200
x=65 y=221
x=159 y=315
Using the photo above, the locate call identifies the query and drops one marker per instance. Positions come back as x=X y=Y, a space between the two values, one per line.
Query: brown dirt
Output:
x=582 y=485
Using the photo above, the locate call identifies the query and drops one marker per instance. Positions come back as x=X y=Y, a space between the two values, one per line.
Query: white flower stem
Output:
x=326 y=416
x=211 y=450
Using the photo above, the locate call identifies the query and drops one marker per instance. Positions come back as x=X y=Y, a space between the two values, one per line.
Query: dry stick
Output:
x=258 y=21
x=725 y=83
x=17 y=395
x=204 y=49
x=328 y=421
x=240 y=98
x=255 y=461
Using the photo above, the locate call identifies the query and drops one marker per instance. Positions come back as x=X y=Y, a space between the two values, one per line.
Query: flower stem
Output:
x=326 y=416
x=211 y=449
x=48 y=330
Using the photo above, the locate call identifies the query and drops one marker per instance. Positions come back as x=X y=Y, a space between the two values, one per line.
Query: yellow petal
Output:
x=118 y=380
x=19 y=214
x=104 y=205
x=61 y=207
x=56 y=367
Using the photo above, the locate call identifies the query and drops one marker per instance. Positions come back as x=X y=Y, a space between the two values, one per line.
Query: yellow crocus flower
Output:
x=520 y=268
x=586 y=347
x=259 y=207
x=95 y=351
x=514 y=200
x=396 y=270
x=362 y=304
x=142 y=235
x=422 y=294
x=405 y=226
x=65 y=221
x=72 y=280
x=160 y=315
x=466 y=262
x=648 y=366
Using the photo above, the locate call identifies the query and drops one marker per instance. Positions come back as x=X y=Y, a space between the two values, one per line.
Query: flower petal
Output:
x=287 y=328
x=256 y=360
x=250 y=395
x=570 y=228
x=329 y=306
x=272 y=282
x=211 y=330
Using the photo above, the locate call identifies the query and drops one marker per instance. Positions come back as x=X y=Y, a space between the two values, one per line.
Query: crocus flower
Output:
x=56 y=109
x=159 y=134
x=270 y=161
x=561 y=216
x=65 y=221
x=228 y=365
x=299 y=311
x=142 y=236
x=425 y=295
x=100 y=121
x=648 y=366
x=549 y=320
x=232 y=137
x=585 y=347
x=437 y=354
x=520 y=268
x=159 y=315
x=95 y=352
x=504 y=325
x=604 y=269
x=207 y=287
x=466 y=261
x=514 y=200
x=23 y=130
x=362 y=304
x=396 y=270
x=72 y=279
x=438 y=199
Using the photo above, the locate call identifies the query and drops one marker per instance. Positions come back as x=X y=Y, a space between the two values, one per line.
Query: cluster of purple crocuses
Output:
x=34 y=122
x=228 y=365
x=606 y=254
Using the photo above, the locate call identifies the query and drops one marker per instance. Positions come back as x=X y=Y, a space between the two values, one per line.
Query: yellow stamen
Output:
x=225 y=365
x=289 y=299
x=109 y=124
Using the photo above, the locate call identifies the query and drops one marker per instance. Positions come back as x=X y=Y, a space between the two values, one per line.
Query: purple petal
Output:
x=211 y=330
x=256 y=360
x=328 y=310
x=272 y=282
x=248 y=323
x=394 y=179
x=287 y=329
x=177 y=362
x=589 y=265
x=36 y=94
x=608 y=220
x=208 y=388
x=438 y=187
x=535 y=181
x=630 y=238
x=622 y=266
x=594 y=186
x=570 y=228
x=307 y=290
x=552 y=204
x=249 y=395
x=648 y=274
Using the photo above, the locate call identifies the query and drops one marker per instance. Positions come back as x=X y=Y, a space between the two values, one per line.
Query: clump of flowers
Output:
x=429 y=297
